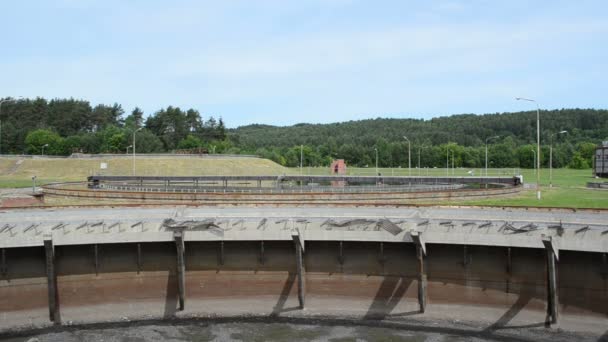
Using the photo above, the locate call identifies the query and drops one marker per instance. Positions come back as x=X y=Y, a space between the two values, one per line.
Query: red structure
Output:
x=338 y=167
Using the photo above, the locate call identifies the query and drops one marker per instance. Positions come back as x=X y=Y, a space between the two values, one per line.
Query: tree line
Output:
x=65 y=126
x=463 y=135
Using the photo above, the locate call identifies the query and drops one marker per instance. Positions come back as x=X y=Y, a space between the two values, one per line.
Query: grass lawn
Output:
x=15 y=173
x=568 y=189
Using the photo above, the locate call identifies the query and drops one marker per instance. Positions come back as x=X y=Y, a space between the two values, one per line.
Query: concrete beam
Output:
x=51 y=277
x=552 y=290
x=299 y=245
x=422 y=277
x=181 y=268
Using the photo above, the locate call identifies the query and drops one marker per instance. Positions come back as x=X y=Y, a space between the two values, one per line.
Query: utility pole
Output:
x=551 y=157
x=488 y=139
x=537 y=144
x=137 y=130
x=409 y=156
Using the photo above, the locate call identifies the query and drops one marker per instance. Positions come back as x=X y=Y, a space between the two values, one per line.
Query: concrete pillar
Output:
x=300 y=269
x=422 y=279
x=262 y=259
x=96 y=256
x=181 y=267
x=220 y=255
x=51 y=278
x=422 y=276
x=4 y=266
x=552 y=290
x=138 y=258
x=341 y=254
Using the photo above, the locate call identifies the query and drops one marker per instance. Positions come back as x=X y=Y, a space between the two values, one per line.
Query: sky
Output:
x=282 y=62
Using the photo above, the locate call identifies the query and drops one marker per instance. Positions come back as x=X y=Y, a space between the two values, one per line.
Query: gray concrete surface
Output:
x=572 y=230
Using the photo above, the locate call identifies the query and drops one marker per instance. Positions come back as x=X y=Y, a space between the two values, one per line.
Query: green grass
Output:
x=568 y=191
x=14 y=175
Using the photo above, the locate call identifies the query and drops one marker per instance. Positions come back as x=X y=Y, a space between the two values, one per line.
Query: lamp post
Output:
x=376 y=149
x=301 y=158
x=488 y=139
x=128 y=147
x=452 y=163
x=534 y=166
x=551 y=156
x=419 y=150
x=537 y=144
x=137 y=130
x=409 y=156
x=447 y=161
x=43 y=146
x=1 y=102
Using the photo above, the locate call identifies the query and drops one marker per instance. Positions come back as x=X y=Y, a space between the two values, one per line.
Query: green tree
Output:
x=190 y=142
x=43 y=138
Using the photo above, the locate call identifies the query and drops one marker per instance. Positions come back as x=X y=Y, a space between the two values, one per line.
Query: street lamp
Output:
x=452 y=163
x=1 y=102
x=551 y=157
x=419 y=150
x=128 y=147
x=43 y=146
x=301 y=157
x=376 y=149
x=447 y=161
x=409 y=157
x=534 y=166
x=488 y=139
x=137 y=130
x=537 y=144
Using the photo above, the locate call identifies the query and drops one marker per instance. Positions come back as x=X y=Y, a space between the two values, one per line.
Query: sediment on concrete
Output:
x=77 y=190
x=373 y=280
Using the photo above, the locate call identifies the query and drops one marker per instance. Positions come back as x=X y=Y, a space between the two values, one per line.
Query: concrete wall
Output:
x=383 y=280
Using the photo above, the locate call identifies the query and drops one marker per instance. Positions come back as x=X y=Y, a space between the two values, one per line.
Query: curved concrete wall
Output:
x=373 y=280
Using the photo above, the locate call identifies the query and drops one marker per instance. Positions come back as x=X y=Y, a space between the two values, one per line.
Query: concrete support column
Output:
x=299 y=244
x=422 y=276
x=51 y=277
x=138 y=258
x=181 y=268
x=552 y=290
x=4 y=266
x=96 y=256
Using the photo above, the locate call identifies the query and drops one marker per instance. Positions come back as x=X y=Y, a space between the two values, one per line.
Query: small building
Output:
x=338 y=167
x=600 y=161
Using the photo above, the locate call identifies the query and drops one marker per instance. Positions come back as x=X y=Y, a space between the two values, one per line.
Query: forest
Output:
x=65 y=126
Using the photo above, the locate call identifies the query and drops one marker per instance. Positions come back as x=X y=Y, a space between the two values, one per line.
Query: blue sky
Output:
x=283 y=62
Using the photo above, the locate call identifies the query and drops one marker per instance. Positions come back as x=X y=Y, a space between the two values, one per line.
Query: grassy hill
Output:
x=16 y=172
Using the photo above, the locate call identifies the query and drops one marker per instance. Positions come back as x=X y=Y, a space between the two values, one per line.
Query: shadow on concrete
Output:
x=171 y=296
x=603 y=338
x=280 y=306
x=390 y=293
x=503 y=321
